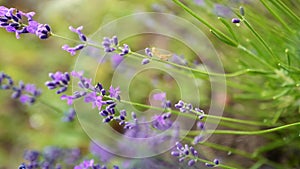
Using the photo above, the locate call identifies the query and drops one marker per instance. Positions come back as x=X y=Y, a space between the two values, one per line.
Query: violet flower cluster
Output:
x=112 y=45
x=81 y=36
x=187 y=107
x=90 y=164
x=19 y=22
x=51 y=158
x=149 y=53
x=26 y=93
x=96 y=95
x=186 y=152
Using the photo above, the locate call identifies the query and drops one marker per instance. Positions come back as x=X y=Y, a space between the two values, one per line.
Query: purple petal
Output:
x=159 y=96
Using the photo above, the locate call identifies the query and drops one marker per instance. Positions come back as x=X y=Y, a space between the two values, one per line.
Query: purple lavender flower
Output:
x=82 y=37
x=200 y=125
x=116 y=60
x=85 y=164
x=114 y=92
x=69 y=116
x=14 y=20
x=197 y=139
x=31 y=155
x=89 y=164
x=216 y=162
x=148 y=52
x=235 y=20
x=178 y=59
x=6 y=81
x=96 y=100
x=111 y=45
x=162 y=122
x=185 y=152
x=70 y=99
x=145 y=61
x=125 y=50
x=73 y=50
x=27 y=94
x=159 y=96
x=50 y=158
x=162 y=97
x=22 y=166
x=184 y=107
x=59 y=80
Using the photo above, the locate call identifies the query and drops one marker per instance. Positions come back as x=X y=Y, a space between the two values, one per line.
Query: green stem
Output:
x=207 y=161
x=285 y=9
x=191 y=12
x=276 y=15
x=234 y=74
x=259 y=37
x=228 y=149
x=234 y=132
x=255 y=56
x=248 y=122
x=196 y=71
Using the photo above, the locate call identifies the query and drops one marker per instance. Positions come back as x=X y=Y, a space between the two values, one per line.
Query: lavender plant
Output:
x=261 y=107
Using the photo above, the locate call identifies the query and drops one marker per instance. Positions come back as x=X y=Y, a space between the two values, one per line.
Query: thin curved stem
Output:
x=248 y=122
x=187 y=9
x=234 y=132
x=195 y=71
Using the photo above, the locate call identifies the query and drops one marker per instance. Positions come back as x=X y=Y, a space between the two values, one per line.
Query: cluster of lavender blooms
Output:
x=82 y=37
x=90 y=164
x=162 y=97
x=19 y=22
x=185 y=152
x=189 y=153
x=100 y=98
x=112 y=44
x=26 y=93
x=96 y=95
x=187 y=107
x=149 y=53
x=51 y=158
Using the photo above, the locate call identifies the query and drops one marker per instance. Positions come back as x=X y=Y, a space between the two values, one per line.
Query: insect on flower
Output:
x=161 y=54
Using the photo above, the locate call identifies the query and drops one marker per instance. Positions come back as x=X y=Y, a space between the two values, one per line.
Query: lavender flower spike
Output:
x=82 y=37
x=59 y=80
x=14 y=20
x=235 y=20
x=27 y=94
x=114 y=92
x=73 y=50
x=148 y=52
x=145 y=61
x=183 y=152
